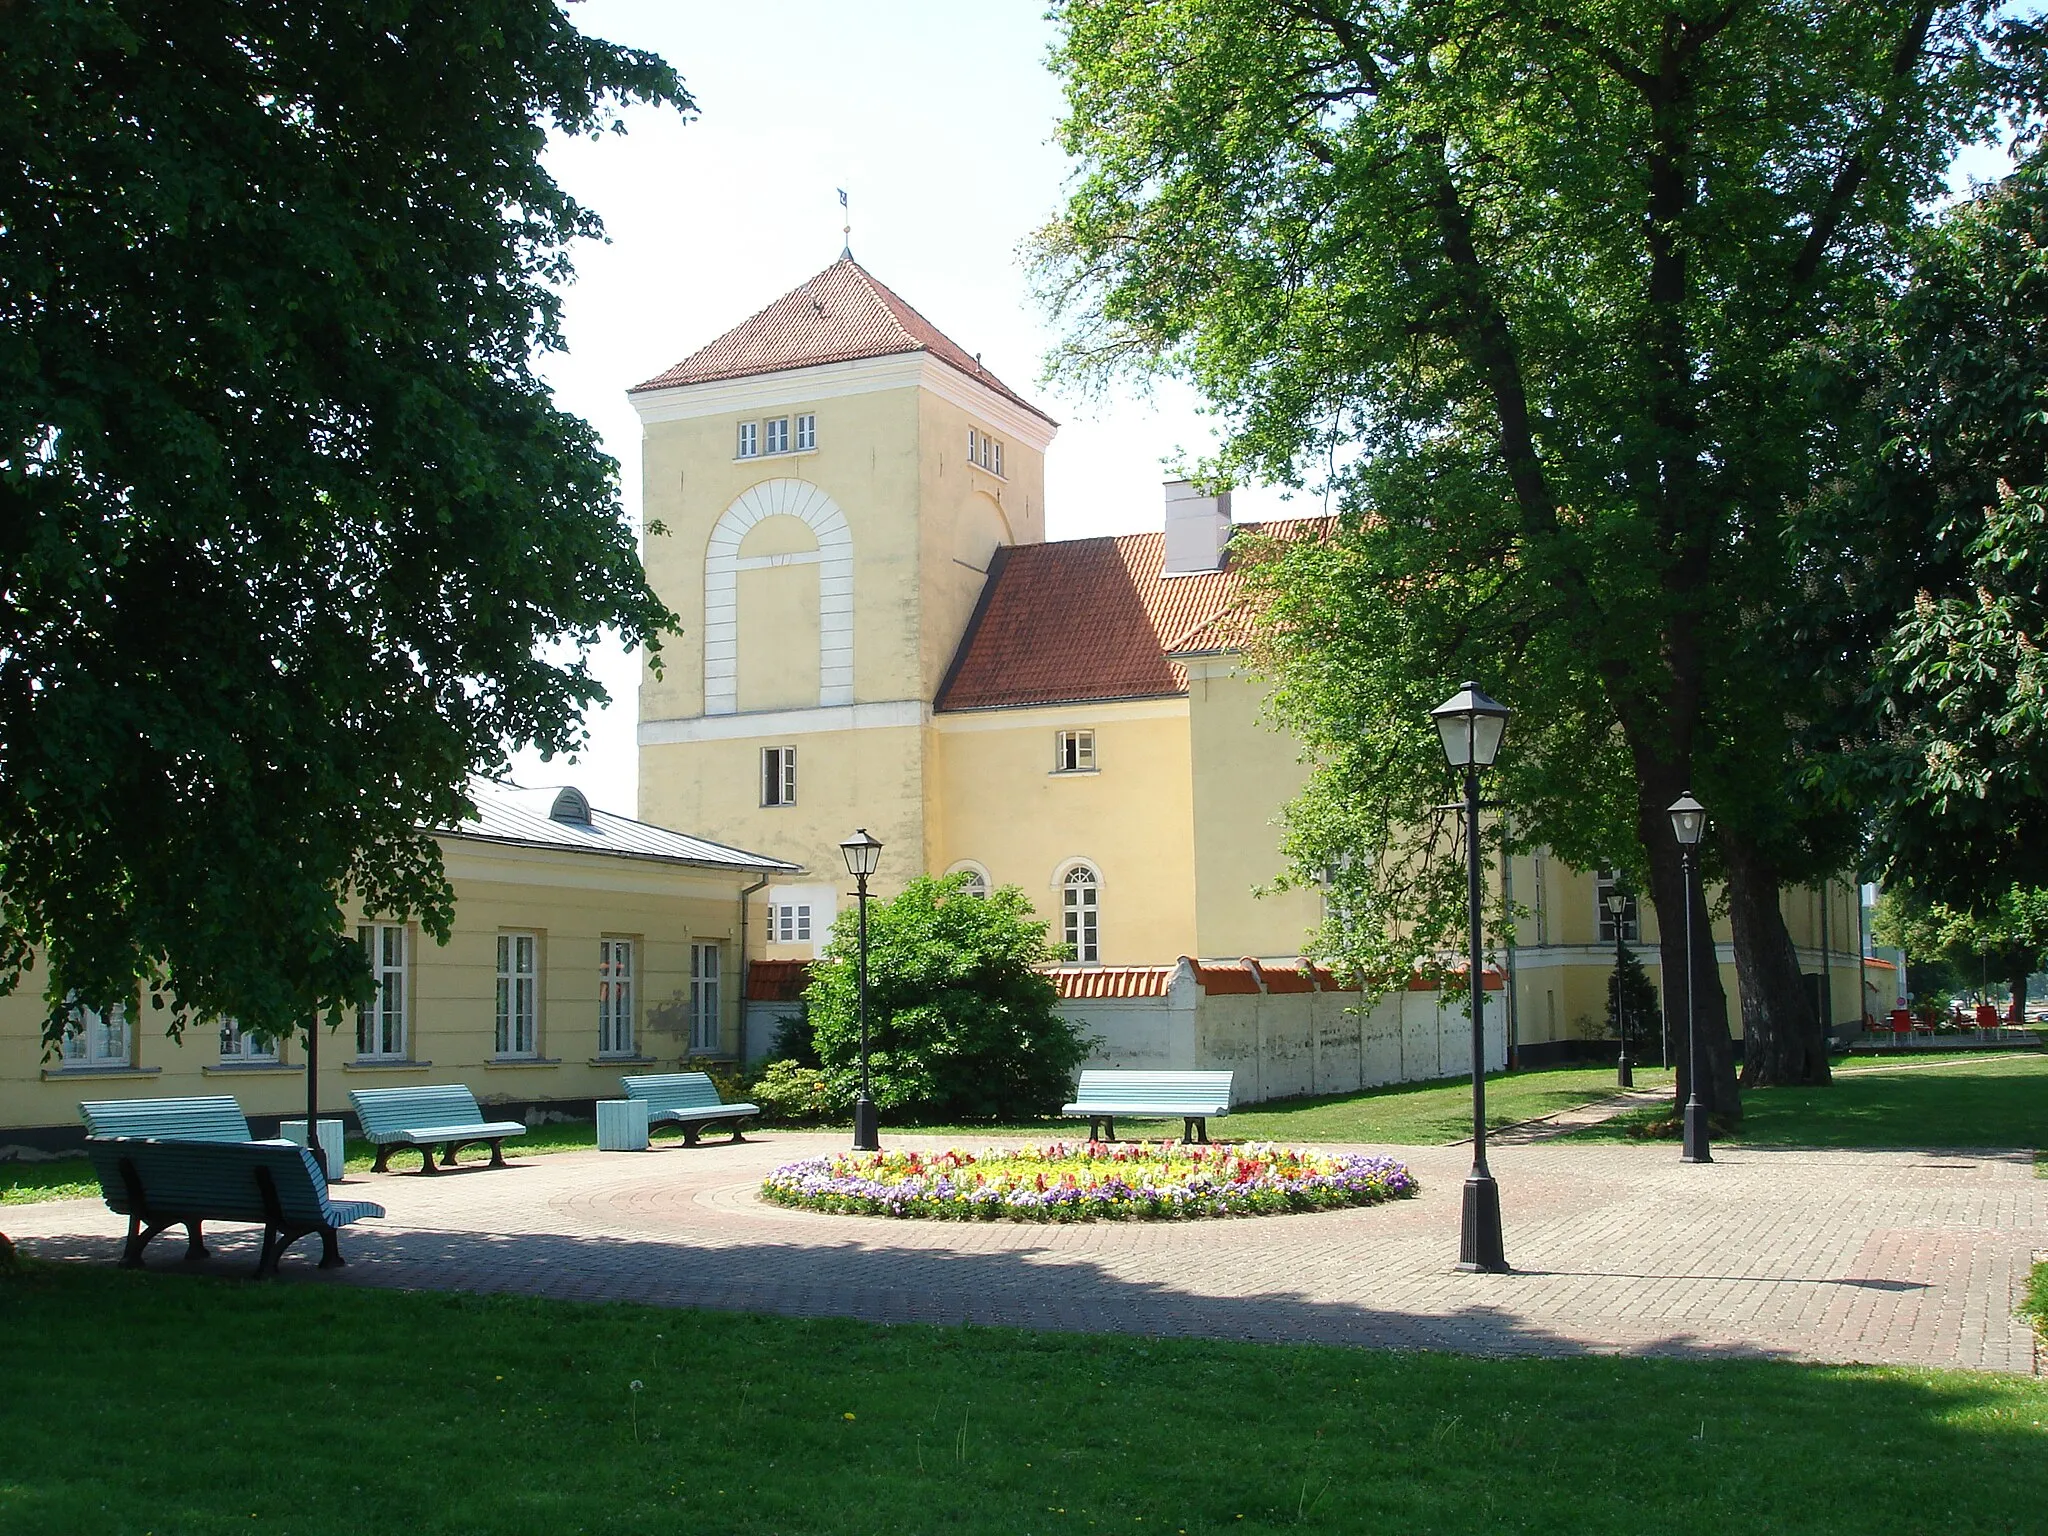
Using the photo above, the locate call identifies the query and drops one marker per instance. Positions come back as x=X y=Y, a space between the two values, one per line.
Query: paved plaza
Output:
x=1902 y=1257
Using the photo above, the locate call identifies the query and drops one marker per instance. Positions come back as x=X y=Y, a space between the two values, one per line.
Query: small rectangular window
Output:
x=750 y=439
x=973 y=446
x=1603 y=886
x=93 y=1039
x=806 y=433
x=615 y=997
x=518 y=994
x=778 y=435
x=1073 y=752
x=238 y=1045
x=778 y=775
x=381 y=1028
x=789 y=924
x=704 y=997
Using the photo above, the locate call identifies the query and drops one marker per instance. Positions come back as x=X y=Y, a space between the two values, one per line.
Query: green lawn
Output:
x=1982 y=1101
x=160 y=1403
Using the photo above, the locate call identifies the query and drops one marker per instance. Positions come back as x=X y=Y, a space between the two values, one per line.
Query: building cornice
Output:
x=765 y=723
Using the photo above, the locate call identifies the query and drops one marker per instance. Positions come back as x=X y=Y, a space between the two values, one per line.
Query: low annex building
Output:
x=586 y=945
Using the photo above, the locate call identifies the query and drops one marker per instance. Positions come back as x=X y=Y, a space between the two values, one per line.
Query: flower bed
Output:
x=1088 y=1181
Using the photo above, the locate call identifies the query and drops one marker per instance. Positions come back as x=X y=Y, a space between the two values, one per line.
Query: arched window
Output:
x=1081 y=905
x=976 y=884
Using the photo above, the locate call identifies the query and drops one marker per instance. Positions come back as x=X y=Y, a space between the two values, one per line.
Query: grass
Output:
x=1983 y=1101
x=2034 y=1305
x=196 y=1406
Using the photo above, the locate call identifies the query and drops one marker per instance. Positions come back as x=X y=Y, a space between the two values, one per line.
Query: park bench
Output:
x=163 y=1183
x=1191 y=1096
x=445 y=1115
x=215 y=1118
x=687 y=1099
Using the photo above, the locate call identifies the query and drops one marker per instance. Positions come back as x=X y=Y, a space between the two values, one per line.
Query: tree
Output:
x=960 y=1022
x=293 y=541
x=1632 y=1008
x=2005 y=939
x=1528 y=290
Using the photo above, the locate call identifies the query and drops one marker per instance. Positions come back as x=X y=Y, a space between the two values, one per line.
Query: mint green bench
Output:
x=216 y=1118
x=161 y=1183
x=1191 y=1097
x=687 y=1099
x=445 y=1115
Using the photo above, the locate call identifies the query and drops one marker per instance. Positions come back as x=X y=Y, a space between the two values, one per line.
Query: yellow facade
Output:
x=568 y=900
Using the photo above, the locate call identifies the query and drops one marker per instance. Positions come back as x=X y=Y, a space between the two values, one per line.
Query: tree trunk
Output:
x=1718 y=1088
x=2021 y=971
x=1782 y=1038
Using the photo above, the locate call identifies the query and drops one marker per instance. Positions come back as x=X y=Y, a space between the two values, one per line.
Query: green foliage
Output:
x=1632 y=1005
x=2002 y=940
x=791 y=1093
x=293 y=539
x=960 y=1022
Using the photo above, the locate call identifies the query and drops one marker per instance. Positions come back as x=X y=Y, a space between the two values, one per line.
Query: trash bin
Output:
x=622 y=1125
x=294 y=1131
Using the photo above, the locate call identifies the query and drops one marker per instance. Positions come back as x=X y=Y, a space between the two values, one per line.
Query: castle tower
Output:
x=830 y=480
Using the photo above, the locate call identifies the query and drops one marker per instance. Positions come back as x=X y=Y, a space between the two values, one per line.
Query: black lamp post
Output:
x=863 y=853
x=1688 y=822
x=1617 y=905
x=1471 y=725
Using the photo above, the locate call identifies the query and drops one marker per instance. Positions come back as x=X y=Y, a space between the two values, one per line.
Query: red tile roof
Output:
x=842 y=314
x=1112 y=980
x=777 y=981
x=1093 y=619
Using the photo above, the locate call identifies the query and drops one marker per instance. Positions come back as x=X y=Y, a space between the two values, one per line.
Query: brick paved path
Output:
x=1911 y=1257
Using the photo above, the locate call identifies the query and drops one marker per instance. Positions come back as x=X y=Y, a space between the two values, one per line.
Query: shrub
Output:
x=790 y=1093
x=960 y=1023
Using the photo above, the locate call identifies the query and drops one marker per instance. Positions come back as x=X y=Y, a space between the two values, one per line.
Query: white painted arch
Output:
x=722 y=565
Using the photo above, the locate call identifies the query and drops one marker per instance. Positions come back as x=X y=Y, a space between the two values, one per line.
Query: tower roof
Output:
x=842 y=314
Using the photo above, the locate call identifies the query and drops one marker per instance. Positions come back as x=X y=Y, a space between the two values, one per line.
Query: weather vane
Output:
x=846 y=229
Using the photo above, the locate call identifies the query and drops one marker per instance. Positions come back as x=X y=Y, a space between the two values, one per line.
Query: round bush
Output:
x=1088 y=1181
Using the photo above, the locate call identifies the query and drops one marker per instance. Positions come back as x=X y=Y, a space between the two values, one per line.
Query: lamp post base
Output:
x=867 y=1125
x=1696 y=1148
x=1625 y=1074
x=1481 y=1249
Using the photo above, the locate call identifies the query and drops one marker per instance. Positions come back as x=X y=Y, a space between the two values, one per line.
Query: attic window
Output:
x=570 y=806
x=985 y=451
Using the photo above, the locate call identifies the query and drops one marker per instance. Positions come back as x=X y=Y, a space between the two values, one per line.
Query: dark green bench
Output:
x=687 y=1099
x=158 y=1184
x=1191 y=1097
x=445 y=1115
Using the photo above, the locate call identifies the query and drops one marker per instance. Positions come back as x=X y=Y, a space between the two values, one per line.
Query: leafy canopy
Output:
x=293 y=541
x=960 y=1021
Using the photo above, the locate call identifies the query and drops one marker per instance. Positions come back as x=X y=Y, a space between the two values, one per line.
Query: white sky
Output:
x=938 y=118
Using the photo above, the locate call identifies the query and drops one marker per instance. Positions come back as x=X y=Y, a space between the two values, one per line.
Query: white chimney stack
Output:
x=1197 y=530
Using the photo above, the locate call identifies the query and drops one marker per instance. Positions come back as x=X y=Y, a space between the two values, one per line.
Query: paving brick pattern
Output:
x=1902 y=1257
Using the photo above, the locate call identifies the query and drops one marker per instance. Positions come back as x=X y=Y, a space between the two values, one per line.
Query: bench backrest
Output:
x=1188 y=1091
x=216 y=1118
x=214 y=1178
x=391 y=1112
x=674 y=1090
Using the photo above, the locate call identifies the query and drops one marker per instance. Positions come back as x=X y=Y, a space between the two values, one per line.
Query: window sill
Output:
x=786 y=453
x=516 y=1062
x=385 y=1066
x=1073 y=773
x=245 y=1068
x=57 y=1074
x=623 y=1061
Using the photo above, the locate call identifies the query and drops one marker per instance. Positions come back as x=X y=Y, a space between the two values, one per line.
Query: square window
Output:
x=1073 y=752
x=789 y=924
x=778 y=775
x=238 y=1045
x=778 y=435
x=806 y=433
x=750 y=440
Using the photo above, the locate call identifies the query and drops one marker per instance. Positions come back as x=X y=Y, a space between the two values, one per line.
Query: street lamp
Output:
x=1471 y=725
x=863 y=853
x=1617 y=905
x=1688 y=821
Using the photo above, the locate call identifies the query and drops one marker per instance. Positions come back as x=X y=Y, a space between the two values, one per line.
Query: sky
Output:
x=938 y=119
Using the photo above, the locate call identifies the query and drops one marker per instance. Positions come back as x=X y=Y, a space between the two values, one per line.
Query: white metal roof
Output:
x=506 y=814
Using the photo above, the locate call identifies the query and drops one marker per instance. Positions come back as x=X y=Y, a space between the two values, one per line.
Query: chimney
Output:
x=1197 y=529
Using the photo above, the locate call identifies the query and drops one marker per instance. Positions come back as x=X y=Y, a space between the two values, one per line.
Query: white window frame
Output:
x=978 y=883
x=1081 y=913
x=749 y=446
x=706 y=963
x=617 y=981
x=239 y=1047
x=1603 y=920
x=384 y=1028
x=778 y=776
x=789 y=923
x=518 y=1013
x=806 y=432
x=998 y=471
x=1073 y=751
x=775 y=435
x=973 y=446
x=94 y=1041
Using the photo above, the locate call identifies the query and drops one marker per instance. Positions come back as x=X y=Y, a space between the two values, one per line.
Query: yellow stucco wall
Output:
x=569 y=900
x=1004 y=809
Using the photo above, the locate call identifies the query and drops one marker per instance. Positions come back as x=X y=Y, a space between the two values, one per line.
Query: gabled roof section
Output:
x=842 y=314
x=1090 y=620
x=523 y=817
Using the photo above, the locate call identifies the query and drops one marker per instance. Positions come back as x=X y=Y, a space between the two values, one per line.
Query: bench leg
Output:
x=426 y=1160
x=1102 y=1128
x=383 y=1163
x=273 y=1250
x=139 y=1238
x=330 y=1249
x=1195 y=1128
x=195 y=1243
x=736 y=1136
x=448 y=1154
x=498 y=1153
x=690 y=1134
